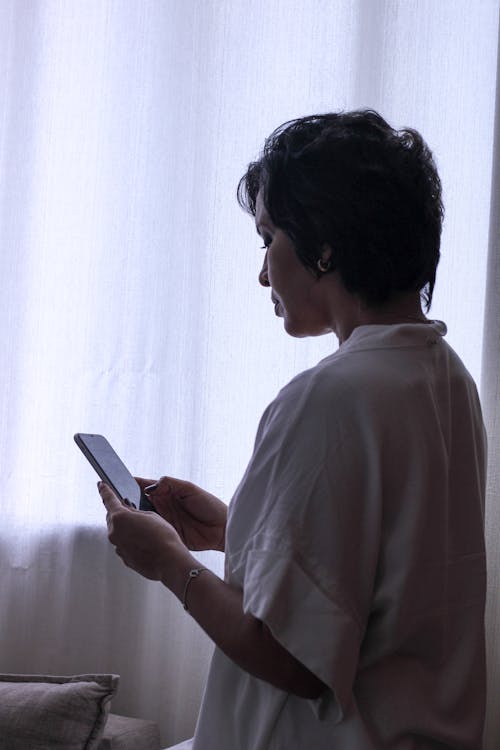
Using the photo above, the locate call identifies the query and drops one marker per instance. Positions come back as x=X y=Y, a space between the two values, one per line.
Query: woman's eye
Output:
x=266 y=244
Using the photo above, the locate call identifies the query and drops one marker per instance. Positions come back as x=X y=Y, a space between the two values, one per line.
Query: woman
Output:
x=351 y=614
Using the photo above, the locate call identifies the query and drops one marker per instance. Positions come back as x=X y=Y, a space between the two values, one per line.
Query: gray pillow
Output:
x=41 y=712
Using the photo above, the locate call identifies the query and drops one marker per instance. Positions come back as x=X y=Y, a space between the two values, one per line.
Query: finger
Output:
x=163 y=483
x=144 y=483
x=166 y=484
x=111 y=502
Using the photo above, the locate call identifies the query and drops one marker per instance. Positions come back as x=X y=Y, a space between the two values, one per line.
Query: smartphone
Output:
x=111 y=469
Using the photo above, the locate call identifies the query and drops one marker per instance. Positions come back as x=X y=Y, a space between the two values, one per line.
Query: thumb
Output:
x=111 y=502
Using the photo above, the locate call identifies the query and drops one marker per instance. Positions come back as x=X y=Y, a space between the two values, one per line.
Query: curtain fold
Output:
x=490 y=393
x=130 y=304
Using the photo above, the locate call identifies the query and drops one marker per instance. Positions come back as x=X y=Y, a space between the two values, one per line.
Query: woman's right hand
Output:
x=198 y=517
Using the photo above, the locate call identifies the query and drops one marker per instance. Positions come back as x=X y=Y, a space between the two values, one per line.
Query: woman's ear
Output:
x=325 y=263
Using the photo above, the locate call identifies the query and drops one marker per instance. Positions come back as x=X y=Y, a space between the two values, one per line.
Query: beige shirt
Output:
x=356 y=535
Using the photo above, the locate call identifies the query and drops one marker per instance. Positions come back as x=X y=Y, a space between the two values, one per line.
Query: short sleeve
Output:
x=303 y=538
x=308 y=623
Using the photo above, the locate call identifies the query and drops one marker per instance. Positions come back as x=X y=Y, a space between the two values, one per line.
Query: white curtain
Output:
x=130 y=304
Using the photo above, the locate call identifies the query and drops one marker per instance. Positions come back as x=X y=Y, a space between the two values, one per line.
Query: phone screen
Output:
x=111 y=469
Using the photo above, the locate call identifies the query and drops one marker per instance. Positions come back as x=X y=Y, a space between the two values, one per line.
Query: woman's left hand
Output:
x=145 y=542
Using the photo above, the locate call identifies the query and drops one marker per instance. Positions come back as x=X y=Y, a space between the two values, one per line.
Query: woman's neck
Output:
x=404 y=309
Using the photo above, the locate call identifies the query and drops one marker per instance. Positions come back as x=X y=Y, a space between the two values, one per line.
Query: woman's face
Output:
x=296 y=292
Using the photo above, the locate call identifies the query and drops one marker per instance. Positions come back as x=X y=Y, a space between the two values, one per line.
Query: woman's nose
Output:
x=263 y=277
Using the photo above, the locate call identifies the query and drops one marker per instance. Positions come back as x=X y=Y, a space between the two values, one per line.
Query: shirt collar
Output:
x=375 y=336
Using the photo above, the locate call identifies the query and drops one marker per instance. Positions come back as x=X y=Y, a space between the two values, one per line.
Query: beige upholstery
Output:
x=42 y=712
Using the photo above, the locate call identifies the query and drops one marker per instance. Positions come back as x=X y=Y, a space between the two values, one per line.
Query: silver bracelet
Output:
x=192 y=574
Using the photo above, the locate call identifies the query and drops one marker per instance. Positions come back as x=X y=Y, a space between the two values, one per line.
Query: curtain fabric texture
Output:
x=130 y=304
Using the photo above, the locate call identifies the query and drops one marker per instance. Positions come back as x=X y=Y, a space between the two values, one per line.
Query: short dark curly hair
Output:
x=370 y=192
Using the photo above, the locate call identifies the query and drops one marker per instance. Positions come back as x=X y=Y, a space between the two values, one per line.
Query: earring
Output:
x=323 y=266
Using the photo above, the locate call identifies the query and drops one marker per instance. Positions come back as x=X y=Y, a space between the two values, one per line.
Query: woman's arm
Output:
x=151 y=546
x=218 y=609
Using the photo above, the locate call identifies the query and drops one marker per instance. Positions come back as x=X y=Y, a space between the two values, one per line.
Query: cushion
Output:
x=43 y=712
x=125 y=733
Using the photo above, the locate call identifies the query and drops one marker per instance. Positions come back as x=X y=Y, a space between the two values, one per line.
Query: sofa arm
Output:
x=125 y=733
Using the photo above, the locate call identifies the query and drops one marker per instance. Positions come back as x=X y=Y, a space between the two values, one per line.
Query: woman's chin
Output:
x=300 y=330
x=293 y=328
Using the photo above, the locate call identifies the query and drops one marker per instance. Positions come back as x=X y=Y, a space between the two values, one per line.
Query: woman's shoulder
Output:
x=372 y=372
x=313 y=397
x=334 y=378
